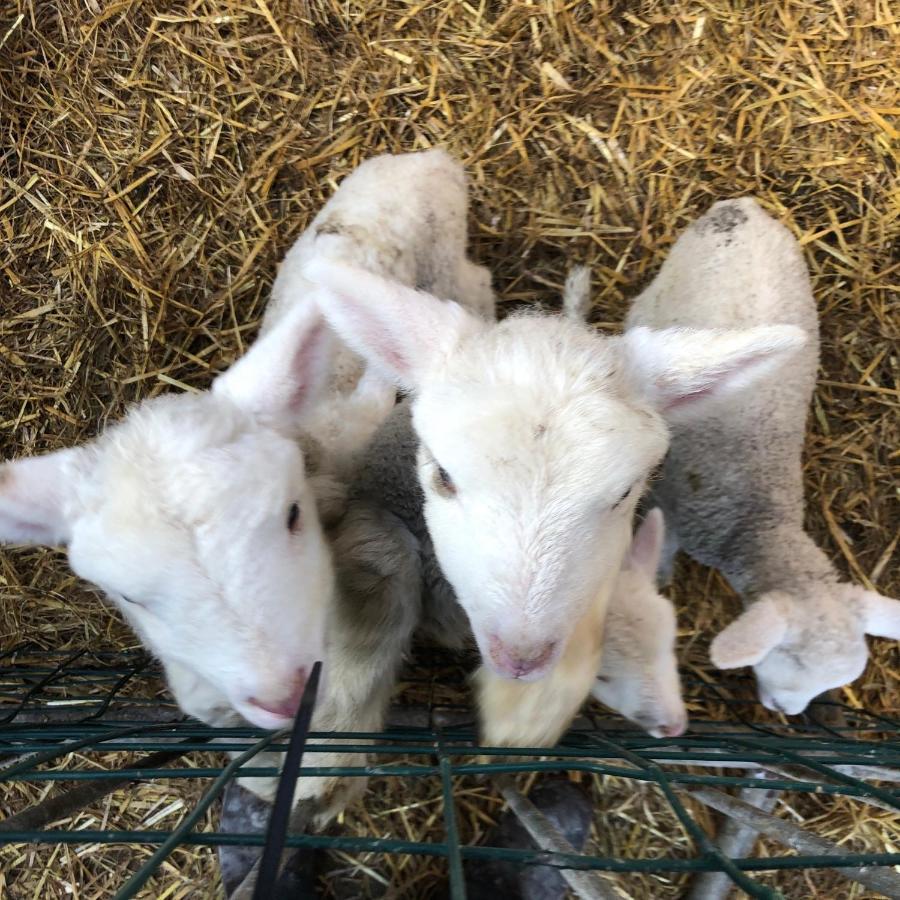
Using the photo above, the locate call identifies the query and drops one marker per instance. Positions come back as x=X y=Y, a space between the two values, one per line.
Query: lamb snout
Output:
x=675 y=727
x=526 y=662
x=271 y=710
x=786 y=705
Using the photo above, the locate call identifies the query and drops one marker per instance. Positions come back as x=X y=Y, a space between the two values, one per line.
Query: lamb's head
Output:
x=638 y=676
x=194 y=515
x=803 y=644
x=536 y=439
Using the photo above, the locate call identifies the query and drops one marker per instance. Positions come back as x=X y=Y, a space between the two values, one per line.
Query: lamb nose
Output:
x=288 y=706
x=673 y=730
x=526 y=666
x=517 y=666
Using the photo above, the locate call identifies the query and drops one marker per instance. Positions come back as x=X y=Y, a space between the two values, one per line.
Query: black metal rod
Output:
x=284 y=796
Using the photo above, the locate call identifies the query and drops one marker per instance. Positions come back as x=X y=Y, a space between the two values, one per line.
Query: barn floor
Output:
x=158 y=158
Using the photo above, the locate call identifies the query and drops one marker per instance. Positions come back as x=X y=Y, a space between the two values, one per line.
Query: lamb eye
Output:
x=443 y=483
x=622 y=499
x=129 y=600
x=293 y=519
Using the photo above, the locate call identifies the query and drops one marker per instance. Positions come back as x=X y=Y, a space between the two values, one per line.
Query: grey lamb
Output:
x=732 y=489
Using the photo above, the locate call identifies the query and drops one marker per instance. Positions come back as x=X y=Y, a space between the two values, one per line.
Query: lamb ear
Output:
x=35 y=495
x=400 y=331
x=751 y=636
x=647 y=543
x=286 y=370
x=881 y=615
x=679 y=370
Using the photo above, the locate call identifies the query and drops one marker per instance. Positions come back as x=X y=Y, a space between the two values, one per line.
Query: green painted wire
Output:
x=384 y=743
x=416 y=848
x=36 y=688
x=47 y=755
x=798 y=786
x=709 y=848
x=112 y=693
x=864 y=789
x=454 y=857
x=143 y=875
x=809 y=787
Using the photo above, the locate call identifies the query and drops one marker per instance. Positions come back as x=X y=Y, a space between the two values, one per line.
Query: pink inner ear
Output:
x=646 y=544
x=306 y=362
x=716 y=381
x=686 y=399
x=391 y=354
x=376 y=334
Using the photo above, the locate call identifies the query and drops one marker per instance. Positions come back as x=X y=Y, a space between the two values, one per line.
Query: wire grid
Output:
x=52 y=704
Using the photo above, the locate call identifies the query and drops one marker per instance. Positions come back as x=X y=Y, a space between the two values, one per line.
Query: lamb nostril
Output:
x=526 y=667
x=288 y=705
x=516 y=665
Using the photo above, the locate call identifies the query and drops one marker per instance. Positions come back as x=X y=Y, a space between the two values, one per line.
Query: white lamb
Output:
x=535 y=439
x=195 y=515
x=638 y=675
x=639 y=631
x=732 y=486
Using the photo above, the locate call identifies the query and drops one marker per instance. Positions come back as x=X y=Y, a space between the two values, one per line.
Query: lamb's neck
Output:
x=780 y=558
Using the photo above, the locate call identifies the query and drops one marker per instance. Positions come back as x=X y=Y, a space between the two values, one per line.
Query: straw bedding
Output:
x=158 y=158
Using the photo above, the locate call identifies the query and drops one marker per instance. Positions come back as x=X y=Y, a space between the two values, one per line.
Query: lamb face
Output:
x=536 y=439
x=510 y=473
x=638 y=675
x=196 y=514
x=802 y=644
x=195 y=517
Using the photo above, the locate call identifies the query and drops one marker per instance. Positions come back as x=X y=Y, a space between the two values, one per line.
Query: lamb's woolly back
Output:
x=400 y=216
x=732 y=486
x=735 y=267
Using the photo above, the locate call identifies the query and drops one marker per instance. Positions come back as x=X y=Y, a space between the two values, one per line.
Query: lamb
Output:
x=534 y=438
x=732 y=487
x=639 y=669
x=202 y=509
x=638 y=675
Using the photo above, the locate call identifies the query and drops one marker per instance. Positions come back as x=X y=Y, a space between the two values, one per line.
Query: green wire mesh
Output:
x=52 y=704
